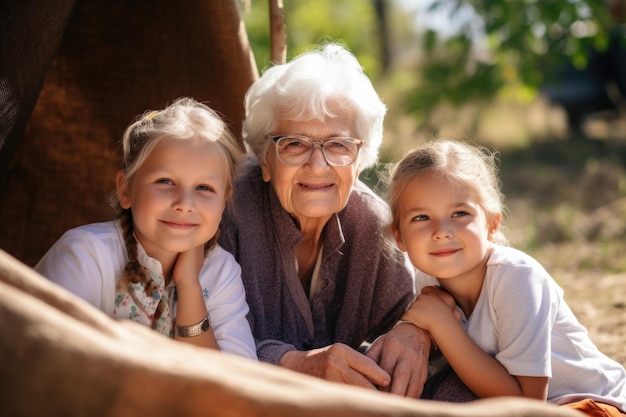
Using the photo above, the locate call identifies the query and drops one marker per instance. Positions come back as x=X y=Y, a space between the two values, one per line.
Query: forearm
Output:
x=480 y=372
x=191 y=310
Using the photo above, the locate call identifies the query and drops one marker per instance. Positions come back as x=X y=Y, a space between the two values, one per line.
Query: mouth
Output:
x=178 y=224
x=315 y=187
x=444 y=252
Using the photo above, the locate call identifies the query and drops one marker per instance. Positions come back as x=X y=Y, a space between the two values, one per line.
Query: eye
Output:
x=460 y=213
x=205 y=188
x=420 y=218
x=165 y=181
x=335 y=144
x=289 y=142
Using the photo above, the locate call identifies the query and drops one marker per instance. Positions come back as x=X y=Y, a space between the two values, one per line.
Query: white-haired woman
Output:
x=320 y=274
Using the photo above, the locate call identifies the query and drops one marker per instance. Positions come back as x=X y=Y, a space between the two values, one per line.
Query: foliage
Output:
x=311 y=22
x=503 y=43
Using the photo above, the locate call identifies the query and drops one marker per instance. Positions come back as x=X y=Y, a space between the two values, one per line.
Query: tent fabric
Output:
x=74 y=74
x=62 y=357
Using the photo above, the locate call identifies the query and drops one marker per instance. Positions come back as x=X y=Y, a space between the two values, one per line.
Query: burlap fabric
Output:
x=61 y=357
x=101 y=64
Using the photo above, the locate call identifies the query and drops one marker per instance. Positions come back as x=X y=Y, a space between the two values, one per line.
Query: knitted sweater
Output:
x=365 y=282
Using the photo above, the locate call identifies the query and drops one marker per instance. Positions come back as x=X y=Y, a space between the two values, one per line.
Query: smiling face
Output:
x=177 y=197
x=314 y=191
x=443 y=228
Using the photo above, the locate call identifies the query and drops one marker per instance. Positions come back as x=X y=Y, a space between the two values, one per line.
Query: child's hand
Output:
x=433 y=307
x=188 y=266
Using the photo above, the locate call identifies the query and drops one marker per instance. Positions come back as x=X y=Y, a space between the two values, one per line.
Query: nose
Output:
x=441 y=232
x=184 y=202
x=318 y=159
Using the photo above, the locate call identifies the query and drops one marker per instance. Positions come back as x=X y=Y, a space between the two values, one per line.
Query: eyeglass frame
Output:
x=316 y=144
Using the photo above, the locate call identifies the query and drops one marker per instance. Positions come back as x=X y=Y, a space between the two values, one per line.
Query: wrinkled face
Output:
x=313 y=191
x=177 y=197
x=443 y=228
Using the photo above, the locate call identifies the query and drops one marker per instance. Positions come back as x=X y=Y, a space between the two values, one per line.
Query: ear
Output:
x=398 y=236
x=121 y=188
x=495 y=224
x=265 y=171
x=356 y=176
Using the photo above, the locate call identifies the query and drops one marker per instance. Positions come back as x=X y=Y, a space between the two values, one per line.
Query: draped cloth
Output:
x=57 y=347
x=74 y=74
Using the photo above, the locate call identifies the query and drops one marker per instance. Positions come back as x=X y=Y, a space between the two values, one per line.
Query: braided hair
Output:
x=184 y=119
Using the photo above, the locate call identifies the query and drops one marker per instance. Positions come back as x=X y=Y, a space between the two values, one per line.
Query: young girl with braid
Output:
x=511 y=333
x=159 y=263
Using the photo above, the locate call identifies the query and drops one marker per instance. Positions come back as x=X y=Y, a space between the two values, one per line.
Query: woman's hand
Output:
x=403 y=353
x=337 y=363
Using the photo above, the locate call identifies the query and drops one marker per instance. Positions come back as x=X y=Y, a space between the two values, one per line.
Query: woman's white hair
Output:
x=311 y=87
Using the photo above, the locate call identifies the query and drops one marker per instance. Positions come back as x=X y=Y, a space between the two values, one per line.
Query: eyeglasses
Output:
x=296 y=150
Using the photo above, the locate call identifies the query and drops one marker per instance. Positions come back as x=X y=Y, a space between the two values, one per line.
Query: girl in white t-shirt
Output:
x=158 y=263
x=509 y=332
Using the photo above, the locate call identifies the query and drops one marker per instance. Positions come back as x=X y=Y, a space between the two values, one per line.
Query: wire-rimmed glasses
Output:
x=296 y=149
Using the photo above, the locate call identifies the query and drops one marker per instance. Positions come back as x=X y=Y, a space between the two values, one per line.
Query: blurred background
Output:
x=541 y=82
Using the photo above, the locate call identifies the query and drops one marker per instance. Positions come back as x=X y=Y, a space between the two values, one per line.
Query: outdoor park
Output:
x=477 y=76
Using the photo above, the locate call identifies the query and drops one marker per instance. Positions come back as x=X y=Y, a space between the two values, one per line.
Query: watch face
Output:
x=205 y=325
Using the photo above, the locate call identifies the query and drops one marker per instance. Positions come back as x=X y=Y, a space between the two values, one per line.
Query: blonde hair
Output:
x=471 y=167
x=186 y=120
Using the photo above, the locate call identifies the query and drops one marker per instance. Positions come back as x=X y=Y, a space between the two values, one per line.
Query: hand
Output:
x=191 y=307
x=431 y=308
x=337 y=363
x=188 y=266
x=403 y=353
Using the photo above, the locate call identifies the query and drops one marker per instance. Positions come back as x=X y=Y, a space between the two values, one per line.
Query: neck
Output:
x=465 y=289
x=307 y=253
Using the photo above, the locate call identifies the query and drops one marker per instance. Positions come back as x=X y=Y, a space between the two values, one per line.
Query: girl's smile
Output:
x=442 y=227
x=177 y=197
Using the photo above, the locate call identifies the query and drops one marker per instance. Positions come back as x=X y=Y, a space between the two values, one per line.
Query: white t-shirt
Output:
x=89 y=260
x=522 y=320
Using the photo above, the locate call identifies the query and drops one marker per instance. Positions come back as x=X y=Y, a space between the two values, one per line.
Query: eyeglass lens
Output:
x=296 y=150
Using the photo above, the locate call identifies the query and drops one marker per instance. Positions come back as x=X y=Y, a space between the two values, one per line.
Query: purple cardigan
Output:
x=366 y=285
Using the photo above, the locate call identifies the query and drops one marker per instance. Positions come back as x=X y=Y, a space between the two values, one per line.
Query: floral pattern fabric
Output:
x=134 y=304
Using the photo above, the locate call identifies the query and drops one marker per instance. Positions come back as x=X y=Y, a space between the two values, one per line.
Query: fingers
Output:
x=338 y=363
x=408 y=380
x=404 y=355
x=188 y=265
x=446 y=298
x=364 y=372
x=375 y=349
x=442 y=294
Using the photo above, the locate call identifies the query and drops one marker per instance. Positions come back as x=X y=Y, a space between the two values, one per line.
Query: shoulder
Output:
x=249 y=181
x=507 y=257
x=220 y=269
x=248 y=192
x=107 y=234
x=366 y=206
x=219 y=258
x=509 y=268
x=92 y=246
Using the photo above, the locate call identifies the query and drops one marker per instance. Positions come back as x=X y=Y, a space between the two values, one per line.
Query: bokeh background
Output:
x=541 y=82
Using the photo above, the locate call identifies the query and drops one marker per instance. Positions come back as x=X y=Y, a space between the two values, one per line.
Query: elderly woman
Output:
x=320 y=275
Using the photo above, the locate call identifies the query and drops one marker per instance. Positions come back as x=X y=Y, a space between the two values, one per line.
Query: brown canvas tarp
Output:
x=99 y=64
x=61 y=357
